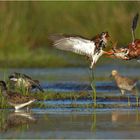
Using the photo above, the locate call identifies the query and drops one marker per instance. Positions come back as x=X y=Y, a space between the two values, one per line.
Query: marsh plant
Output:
x=3 y=103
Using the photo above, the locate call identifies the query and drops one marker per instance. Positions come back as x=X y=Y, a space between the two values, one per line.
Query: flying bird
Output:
x=15 y=99
x=20 y=80
x=93 y=48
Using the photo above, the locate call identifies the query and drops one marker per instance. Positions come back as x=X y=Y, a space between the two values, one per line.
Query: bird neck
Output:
x=102 y=44
x=117 y=76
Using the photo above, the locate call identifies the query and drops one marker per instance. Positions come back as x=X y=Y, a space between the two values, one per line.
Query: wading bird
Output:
x=24 y=81
x=93 y=48
x=15 y=99
x=124 y=83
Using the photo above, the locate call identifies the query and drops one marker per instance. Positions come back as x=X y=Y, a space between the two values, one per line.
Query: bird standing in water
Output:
x=23 y=81
x=15 y=99
x=93 y=48
x=124 y=83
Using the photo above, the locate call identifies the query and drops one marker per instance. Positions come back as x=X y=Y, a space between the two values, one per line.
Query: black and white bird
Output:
x=20 y=80
x=15 y=99
x=93 y=48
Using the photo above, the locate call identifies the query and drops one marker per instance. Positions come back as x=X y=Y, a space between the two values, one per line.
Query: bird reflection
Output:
x=118 y=116
x=18 y=120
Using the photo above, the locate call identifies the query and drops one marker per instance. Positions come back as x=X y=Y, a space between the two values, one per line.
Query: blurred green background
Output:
x=25 y=26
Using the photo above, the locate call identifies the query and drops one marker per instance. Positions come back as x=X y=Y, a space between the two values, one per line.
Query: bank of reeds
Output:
x=25 y=26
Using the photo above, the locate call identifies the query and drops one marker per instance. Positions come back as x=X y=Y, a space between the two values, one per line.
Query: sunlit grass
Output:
x=25 y=26
x=74 y=97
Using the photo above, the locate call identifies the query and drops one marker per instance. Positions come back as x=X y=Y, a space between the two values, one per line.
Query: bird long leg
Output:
x=93 y=86
x=134 y=91
x=122 y=91
x=28 y=109
x=92 y=64
x=108 y=53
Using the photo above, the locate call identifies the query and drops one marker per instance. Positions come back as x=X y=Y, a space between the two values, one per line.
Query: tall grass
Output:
x=25 y=26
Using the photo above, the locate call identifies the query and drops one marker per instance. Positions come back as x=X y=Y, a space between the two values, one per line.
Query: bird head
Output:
x=104 y=36
x=114 y=73
x=103 y=39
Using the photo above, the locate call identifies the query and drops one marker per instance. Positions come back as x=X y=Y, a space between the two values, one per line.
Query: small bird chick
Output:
x=124 y=83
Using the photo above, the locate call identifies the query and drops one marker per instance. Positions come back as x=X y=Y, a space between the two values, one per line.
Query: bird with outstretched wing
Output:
x=93 y=48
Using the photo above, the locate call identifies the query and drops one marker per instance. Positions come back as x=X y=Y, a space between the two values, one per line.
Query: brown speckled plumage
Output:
x=124 y=83
x=15 y=99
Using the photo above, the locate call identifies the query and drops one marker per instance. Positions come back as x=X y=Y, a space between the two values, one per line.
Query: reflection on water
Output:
x=67 y=122
x=15 y=120
x=74 y=79
x=71 y=124
x=118 y=116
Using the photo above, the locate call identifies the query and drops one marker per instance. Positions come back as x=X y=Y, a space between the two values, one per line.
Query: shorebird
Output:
x=93 y=48
x=15 y=99
x=124 y=83
x=24 y=81
x=132 y=50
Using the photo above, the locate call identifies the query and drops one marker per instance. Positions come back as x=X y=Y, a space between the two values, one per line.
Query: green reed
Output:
x=2 y=101
x=3 y=116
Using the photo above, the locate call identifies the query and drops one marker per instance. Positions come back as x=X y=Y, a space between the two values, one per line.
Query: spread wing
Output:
x=36 y=84
x=74 y=44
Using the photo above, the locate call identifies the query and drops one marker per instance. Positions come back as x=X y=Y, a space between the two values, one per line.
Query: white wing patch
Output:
x=97 y=56
x=13 y=79
x=76 y=44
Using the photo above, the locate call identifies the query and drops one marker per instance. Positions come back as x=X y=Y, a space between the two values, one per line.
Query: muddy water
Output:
x=76 y=79
x=64 y=121
x=71 y=123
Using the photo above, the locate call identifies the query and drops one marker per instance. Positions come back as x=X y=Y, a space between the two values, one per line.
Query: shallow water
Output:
x=64 y=119
x=71 y=123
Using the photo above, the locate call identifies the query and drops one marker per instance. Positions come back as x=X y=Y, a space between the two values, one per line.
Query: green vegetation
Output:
x=25 y=26
x=74 y=96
